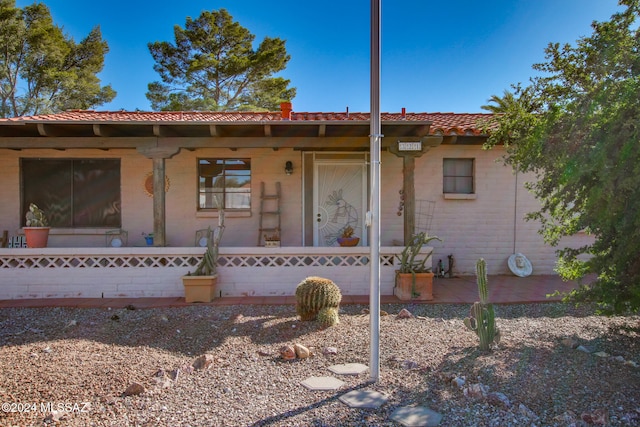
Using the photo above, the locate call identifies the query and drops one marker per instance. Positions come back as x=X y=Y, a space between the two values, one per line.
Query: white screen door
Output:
x=339 y=200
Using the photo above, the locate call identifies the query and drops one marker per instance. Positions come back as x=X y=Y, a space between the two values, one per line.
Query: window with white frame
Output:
x=458 y=176
x=226 y=181
x=73 y=193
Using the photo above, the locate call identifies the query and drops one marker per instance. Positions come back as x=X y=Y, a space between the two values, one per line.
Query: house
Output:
x=99 y=176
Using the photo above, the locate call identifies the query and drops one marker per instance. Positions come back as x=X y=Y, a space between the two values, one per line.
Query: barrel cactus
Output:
x=328 y=317
x=314 y=294
x=482 y=318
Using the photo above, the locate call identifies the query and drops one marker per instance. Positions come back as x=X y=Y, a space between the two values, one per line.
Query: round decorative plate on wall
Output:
x=148 y=184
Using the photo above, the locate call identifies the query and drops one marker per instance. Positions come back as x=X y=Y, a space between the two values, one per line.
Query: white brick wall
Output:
x=20 y=280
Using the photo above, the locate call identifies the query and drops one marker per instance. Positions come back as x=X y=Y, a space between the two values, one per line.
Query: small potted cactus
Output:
x=200 y=286
x=347 y=238
x=36 y=229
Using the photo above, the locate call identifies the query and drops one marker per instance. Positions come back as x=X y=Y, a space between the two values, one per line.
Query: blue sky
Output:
x=445 y=56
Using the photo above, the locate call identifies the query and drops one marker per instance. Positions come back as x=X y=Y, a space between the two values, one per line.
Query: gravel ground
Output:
x=549 y=369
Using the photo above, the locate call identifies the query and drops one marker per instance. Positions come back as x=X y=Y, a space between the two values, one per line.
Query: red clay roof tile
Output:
x=441 y=123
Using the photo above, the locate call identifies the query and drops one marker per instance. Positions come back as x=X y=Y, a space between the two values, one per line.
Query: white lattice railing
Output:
x=156 y=272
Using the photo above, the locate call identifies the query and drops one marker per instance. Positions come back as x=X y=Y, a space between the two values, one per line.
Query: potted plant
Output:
x=200 y=286
x=347 y=238
x=148 y=238
x=272 y=241
x=36 y=229
x=414 y=279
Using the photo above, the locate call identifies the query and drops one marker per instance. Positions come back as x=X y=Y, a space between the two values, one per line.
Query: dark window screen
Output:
x=73 y=193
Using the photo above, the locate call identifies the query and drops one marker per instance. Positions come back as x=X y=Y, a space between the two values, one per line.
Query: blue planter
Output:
x=149 y=240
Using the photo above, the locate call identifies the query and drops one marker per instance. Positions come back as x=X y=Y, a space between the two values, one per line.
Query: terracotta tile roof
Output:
x=441 y=123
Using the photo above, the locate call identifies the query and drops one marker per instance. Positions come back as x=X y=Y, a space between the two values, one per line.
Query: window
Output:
x=458 y=176
x=73 y=193
x=224 y=180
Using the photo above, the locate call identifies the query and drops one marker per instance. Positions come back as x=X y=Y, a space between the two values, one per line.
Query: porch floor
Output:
x=503 y=289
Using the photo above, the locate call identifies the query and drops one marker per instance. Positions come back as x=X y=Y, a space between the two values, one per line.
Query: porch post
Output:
x=409 y=196
x=416 y=149
x=159 y=207
x=158 y=156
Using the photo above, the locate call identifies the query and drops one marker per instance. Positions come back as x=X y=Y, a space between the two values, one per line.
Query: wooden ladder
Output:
x=269 y=213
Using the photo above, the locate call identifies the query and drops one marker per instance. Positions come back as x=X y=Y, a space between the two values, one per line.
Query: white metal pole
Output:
x=374 y=212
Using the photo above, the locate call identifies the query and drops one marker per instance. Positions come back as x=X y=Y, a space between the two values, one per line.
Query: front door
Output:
x=339 y=200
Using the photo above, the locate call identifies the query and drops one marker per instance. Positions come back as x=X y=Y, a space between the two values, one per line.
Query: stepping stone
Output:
x=416 y=416
x=322 y=383
x=364 y=399
x=348 y=369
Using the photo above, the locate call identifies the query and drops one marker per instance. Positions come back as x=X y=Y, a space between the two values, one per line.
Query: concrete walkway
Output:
x=503 y=289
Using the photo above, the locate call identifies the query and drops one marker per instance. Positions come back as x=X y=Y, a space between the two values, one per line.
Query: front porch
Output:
x=155 y=272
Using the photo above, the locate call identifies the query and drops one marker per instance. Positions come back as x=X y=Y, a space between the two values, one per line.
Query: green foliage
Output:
x=409 y=262
x=314 y=294
x=35 y=217
x=212 y=66
x=576 y=129
x=482 y=318
x=44 y=71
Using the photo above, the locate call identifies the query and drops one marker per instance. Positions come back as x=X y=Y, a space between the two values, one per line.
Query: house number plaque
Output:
x=410 y=146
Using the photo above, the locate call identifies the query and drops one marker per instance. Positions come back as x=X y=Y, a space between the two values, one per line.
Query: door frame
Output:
x=310 y=235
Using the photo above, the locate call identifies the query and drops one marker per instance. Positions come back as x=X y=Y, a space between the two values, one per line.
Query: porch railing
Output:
x=156 y=272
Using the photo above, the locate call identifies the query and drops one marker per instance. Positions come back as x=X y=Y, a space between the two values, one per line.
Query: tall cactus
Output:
x=482 y=318
x=314 y=294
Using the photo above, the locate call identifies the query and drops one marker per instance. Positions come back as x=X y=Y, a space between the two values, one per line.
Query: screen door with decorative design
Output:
x=339 y=200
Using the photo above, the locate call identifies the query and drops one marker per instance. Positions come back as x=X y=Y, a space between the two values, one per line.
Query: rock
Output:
x=410 y=364
x=475 y=391
x=499 y=400
x=583 y=349
x=134 y=389
x=301 y=351
x=569 y=342
x=287 y=352
x=458 y=382
x=601 y=354
x=263 y=353
x=527 y=412
x=174 y=374
x=330 y=351
x=404 y=314
x=631 y=363
x=203 y=362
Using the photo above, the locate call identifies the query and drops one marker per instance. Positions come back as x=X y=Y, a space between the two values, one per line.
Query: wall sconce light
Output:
x=288 y=167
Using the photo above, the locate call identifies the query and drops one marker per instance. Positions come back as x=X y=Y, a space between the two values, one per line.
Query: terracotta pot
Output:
x=199 y=288
x=406 y=290
x=37 y=237
x=348 y=241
